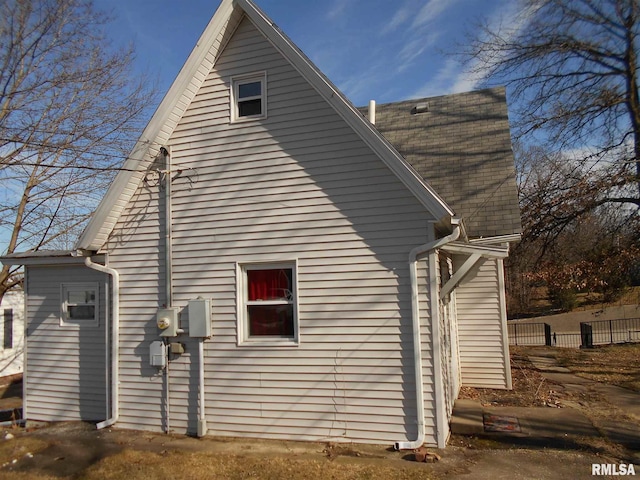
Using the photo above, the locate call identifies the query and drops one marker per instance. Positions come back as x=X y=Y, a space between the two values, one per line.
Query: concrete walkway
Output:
x=565 y=428
x=626 y=400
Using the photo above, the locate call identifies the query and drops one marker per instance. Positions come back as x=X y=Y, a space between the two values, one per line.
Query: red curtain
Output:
x=270 y=320
x=268 y=284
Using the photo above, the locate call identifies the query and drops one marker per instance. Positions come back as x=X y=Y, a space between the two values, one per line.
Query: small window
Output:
x=248 y=99
x=268 y=304
x=79 y=304
x=8 y=328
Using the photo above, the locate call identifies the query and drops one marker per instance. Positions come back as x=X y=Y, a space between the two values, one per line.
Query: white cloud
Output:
x=431 y=10
x=440 y=84
x=338 y=9
x=414 y=48
x=400 y=17
x=452 y=77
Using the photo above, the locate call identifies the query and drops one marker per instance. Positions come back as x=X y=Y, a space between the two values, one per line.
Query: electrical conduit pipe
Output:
x=415 y=320
x=115 y=323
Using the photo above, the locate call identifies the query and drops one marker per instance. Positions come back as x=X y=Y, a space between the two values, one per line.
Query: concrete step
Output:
x=467 y=418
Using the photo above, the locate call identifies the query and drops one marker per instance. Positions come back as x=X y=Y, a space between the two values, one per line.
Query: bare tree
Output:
x=595 y=253
x=571 y=67
x=69 y=110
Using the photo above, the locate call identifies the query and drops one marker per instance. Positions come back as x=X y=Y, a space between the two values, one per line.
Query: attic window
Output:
x=248 y=97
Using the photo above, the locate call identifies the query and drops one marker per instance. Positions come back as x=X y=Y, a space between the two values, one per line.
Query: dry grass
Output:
x=530 y=388
x=14 y=450
x=613 y=364
x=132 y=465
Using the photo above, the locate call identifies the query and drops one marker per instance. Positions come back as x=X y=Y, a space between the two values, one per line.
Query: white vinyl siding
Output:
x=65 y=365
x=482 y=349
x=165 y=120
x=299 y=184
x=12 y=335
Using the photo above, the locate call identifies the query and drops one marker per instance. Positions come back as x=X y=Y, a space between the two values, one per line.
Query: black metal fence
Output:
x=529 y=334
x=599 y=332
x=566 y=340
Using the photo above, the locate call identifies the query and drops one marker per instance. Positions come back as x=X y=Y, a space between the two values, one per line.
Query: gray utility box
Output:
x=158 y=354
x=200 y=317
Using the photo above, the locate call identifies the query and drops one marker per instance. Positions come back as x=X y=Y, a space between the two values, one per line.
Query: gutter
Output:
x=115 y=332
x=415 y=320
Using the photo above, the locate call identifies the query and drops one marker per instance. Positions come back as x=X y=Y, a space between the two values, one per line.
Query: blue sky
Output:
x=385 y=50
x=371 y=49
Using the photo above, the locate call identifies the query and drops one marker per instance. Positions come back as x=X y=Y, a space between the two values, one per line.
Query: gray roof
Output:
x=462 y=147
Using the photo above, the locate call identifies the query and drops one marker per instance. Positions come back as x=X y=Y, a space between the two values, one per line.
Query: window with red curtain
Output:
x=269 y=302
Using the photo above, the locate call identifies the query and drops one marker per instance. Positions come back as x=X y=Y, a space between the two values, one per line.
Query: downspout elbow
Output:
x=417 y=343
x=115 y=322
x=427 y=247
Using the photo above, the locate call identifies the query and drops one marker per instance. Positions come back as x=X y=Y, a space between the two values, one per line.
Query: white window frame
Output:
x=242 y=295
x=65 y=288
x=235 y=85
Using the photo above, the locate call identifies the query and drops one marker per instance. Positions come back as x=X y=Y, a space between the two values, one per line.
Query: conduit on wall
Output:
x=168 y=266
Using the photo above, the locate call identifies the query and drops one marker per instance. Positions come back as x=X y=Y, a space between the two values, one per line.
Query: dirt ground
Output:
x=75 y=450
x=613 y=364
x=78 y=451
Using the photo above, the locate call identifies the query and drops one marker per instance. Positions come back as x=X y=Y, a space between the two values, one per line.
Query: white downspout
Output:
x=115 y=332
x=202 y=421
x=415 y=320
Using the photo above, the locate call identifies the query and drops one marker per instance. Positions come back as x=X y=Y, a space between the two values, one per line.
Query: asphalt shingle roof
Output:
x=462 y=147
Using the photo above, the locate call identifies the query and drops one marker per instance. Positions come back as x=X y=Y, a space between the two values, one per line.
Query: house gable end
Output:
x=161 y=125
x=189 y=81
x=296 y=190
